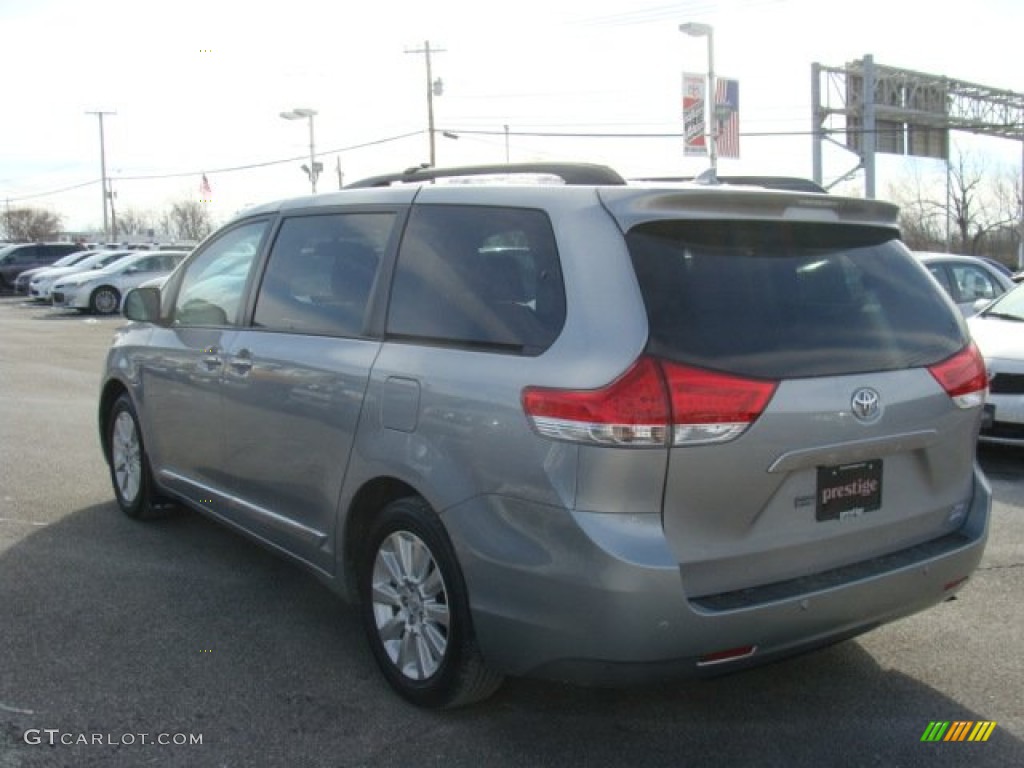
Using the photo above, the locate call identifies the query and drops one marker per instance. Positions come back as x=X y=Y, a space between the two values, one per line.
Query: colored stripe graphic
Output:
x=935 y=731
x=982 y=731
x=958 y=730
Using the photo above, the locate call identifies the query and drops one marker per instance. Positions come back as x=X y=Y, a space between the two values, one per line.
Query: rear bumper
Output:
x=598 y=599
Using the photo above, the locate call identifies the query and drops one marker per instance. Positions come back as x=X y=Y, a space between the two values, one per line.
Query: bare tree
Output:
x=1008 y=196
x=134 y=222
x=187 y=220
x=977 y=208
x=31 y=224
x=922 y=215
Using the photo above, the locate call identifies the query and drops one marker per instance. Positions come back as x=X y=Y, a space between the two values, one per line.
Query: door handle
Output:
x=241 y=364
x=211 y=361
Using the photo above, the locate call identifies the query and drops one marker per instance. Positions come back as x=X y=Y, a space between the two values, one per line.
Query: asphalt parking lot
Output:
x=178 y=643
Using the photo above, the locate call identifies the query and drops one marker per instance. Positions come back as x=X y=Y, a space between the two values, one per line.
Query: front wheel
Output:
x=105 y=300
x=415 y=610
x=129 y=468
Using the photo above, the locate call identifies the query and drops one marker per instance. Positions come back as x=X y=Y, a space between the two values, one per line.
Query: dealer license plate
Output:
x=849 y=490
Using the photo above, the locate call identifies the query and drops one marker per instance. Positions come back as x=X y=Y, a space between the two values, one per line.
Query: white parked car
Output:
x=998 y=330
x=101 y=291
x=41 y=285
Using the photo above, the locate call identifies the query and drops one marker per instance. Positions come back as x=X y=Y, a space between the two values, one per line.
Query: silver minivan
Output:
x=588 y=431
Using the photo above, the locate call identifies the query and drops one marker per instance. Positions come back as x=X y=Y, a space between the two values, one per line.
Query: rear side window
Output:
x=321 y=272
x=971 y=282
x=782 y=300
x=28 y=255
x=480 y=277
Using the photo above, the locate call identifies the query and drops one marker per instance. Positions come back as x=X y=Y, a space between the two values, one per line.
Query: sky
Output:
x=198 y=87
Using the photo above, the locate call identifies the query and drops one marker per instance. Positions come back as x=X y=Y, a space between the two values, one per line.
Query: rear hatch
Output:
x=825 y=396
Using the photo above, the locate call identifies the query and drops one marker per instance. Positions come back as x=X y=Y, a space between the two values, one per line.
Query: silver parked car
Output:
x=41 y=285
x=588 y=431
x=100 y=290
x=999 y=332
x=970 y=281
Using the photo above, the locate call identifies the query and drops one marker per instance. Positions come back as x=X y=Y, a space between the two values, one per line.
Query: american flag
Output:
x=727 y=117
x=204 y=188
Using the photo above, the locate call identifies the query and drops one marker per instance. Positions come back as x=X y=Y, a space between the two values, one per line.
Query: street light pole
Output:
x=696 y=29
x=314 y=168
x=103 y=172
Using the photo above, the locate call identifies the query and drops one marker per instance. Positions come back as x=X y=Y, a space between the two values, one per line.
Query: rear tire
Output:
x=416 y=612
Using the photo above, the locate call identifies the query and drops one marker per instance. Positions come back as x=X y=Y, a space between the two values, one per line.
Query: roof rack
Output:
x=570 y=173
x=791 y=183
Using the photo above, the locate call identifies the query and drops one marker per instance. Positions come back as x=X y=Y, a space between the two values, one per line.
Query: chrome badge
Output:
x=866 y=404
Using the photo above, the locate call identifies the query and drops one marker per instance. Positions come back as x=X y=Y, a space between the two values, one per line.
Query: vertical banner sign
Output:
x=727 y=117
x=694 y=88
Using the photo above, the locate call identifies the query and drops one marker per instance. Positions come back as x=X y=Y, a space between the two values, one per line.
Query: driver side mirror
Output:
x=143 y=305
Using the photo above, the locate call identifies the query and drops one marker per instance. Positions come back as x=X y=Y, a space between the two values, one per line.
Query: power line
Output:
x=182 y=174
x=467 y=132
x=267 y=163
x=52 y=192
x=674 y=135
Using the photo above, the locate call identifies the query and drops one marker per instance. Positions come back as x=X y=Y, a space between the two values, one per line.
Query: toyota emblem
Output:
x=865 y=404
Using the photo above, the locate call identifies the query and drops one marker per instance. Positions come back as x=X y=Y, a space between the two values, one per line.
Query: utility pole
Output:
x=113 y=215
x=103 y=172
x=426 y=50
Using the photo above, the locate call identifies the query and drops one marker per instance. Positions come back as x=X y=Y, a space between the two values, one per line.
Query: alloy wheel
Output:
x=410 y=605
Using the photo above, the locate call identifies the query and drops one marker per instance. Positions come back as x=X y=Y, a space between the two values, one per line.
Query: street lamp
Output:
x=696 y=29
x=314 y=168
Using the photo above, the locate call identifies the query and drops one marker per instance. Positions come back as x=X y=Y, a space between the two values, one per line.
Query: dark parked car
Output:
x=24 y=279
x=587 y=431
x=15 y=259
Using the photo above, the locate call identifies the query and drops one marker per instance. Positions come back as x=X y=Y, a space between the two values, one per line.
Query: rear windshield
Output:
x=781 y=300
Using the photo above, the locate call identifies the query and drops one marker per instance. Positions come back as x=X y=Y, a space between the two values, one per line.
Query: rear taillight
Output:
x=632 y=410
x=963 y=376
x=655 y=402
x=711 y=407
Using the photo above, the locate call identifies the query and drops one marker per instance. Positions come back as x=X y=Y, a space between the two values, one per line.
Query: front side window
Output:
x=789 y=300
x=480 y=277
x=320 y=273
x=213 y=285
